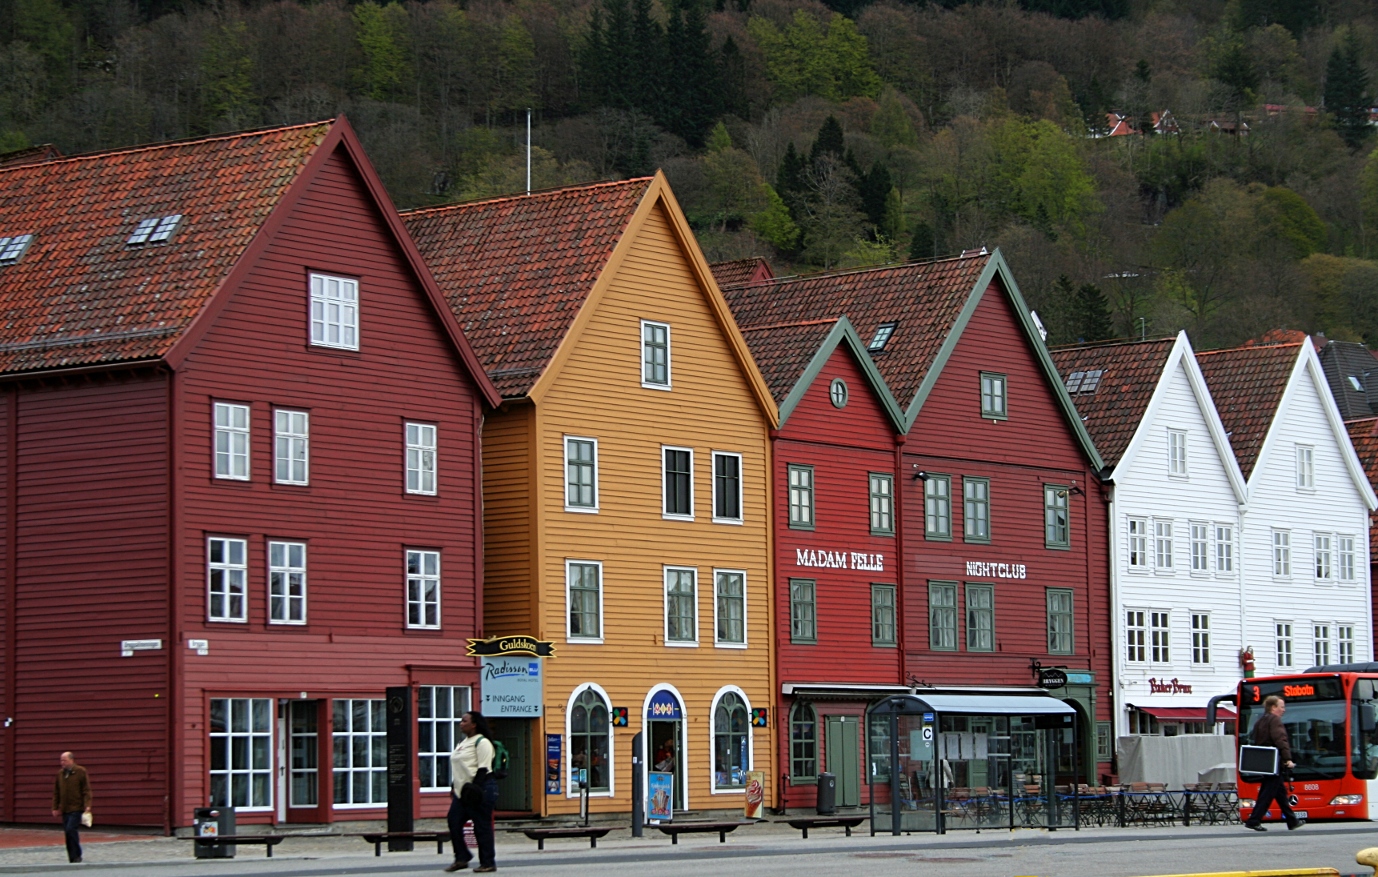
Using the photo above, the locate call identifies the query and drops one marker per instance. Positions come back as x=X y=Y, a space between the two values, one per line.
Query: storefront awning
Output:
x=1187 y=713
x=977 y=704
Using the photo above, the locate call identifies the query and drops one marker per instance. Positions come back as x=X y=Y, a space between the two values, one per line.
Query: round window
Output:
x=838 y=393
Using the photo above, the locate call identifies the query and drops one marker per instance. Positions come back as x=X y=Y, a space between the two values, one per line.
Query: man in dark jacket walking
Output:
x=1270 y=732
x=71 y=798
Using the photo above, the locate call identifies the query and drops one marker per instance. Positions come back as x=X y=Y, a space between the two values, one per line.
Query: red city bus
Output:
x=1332 y=727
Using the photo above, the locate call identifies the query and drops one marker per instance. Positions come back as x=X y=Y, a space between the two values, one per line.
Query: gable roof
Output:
x=1247 y=384
x=1129 y=377
x=517 y=270
x=741 y=271
x=1347 y=363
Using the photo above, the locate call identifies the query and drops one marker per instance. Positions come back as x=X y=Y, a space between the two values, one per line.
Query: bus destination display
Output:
x=1293 y=689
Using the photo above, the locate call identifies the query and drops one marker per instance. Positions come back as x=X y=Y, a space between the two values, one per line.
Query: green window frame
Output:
x=942 y=616
x=980 y=618
x=994 y=396
x=655 y=355
x=801 y=504
x=803 y=611
x=803 y=744
x=1061 y=633
x=937 y=507
x=1105 y=741
x=581 y=474
x=976 y=509
x=1057 y=522
x=590 y=737
x=882 y=615
x=882 y=490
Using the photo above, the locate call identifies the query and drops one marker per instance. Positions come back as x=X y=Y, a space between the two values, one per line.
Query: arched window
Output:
x=731 y=730
x=588 y=738
x=803 y=742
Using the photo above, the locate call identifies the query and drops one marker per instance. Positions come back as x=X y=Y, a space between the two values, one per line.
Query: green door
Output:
x=514 y=792
x=843 y=751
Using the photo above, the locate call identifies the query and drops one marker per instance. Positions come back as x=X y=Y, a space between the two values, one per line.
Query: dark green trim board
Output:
x=844 y=332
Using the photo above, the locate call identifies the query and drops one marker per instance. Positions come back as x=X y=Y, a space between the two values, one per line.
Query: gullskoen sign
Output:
x=825 y=559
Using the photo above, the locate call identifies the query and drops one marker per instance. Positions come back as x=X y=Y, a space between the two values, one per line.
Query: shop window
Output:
x=438 y=709
x=1060 y=638
x=589 y=739
x=942 y=616
x=882 y=504
x=731 y=742
x=980 y=618
x=882 y=615
x=241 y=738
x=803 y=744
x=803 y=620
x=360 y=743
x=937 y=507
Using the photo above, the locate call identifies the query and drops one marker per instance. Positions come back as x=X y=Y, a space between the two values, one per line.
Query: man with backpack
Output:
x=474 y=791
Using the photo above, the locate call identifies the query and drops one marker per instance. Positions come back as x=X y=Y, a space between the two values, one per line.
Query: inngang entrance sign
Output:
x=511 y=687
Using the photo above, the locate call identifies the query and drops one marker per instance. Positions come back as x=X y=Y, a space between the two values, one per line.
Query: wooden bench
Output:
x=804 y=823
x=675 y=829
x=381 y=837
x=268 y=840
x=541 y=835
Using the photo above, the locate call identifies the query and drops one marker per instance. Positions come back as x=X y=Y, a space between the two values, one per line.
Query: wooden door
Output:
x=514 y=792
x=843 y=749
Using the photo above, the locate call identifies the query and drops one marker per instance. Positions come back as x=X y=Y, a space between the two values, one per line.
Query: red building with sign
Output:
x=230 y=517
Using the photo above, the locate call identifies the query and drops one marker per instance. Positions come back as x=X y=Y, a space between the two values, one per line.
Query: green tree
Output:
x=1347 y=99
x=774 y=223
x=1090 y=313
x=693 y=85
x=891 y=125
x=1295 y=15
x=1045 y=180
x=806 y=58
x=227 y=70
x=381 y=33
x=1290 y=220
x=1234 y=66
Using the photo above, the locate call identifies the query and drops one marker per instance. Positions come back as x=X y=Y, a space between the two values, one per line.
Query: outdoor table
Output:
x=1152 y=806
x=1211 y=805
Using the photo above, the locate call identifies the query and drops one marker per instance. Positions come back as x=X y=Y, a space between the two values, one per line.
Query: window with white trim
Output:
x=423 y=589
x=232 y=441
x=655 y=355
x=1344 y=644
x=1136 y=636
x=1224 y=548
x=590 y=738
x=241 y=762
x=1160 y=638
x=291 y=439
x=1200 y=638
x=584 y=595
x=882 y=491
x=359 y=740
x=1162 y=544
x=438 y=711
x=731 y=742
x=1282 y=635
x=581 y=474
x=1138 y=543
x=1345 y=558
x=421 y=462
x=227 y=576
x=1177 y=453
x=801 y=497
x=1322 y=543
x=1282 y=553
x=286 y=583
x=681 y=605
x=729 y=588
x=1320 y=644
x=334 y=312
x=1306 y=468
x=1200 y=548
x=727 y=487
x=677 y=478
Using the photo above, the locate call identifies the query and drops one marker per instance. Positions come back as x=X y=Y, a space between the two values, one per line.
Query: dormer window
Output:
x=12 y=248
x=1354 y=381
x=156 y=230
x=882 y=337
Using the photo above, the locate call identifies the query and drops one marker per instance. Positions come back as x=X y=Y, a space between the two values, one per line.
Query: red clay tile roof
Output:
x=1363 y=434
x=1130 y=372
x=923 y=297
x=1247 y=385
x=32 y=155
x=784 y=350
x=80 y=296
x=741 y=271
x=517 y=270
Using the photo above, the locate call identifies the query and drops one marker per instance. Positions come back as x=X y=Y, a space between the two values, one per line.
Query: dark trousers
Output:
x=1272 y=789
x=71 y=826
x=481 y=814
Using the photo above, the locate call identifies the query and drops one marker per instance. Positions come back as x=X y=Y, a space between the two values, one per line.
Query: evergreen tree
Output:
x=733 y=67
x=789 y=180
x=828 y=141
x=1235 y=68
x=1090 y=313
x=1346 y=92
x=693 y=84
x=924 y=242
x=1295 y=15
x=646 y=57
x=875 y=188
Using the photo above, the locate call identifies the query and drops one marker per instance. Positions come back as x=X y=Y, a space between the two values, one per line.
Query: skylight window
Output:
x=155 y=230
x=882 y=336
x=12 y=248
x=1356 y=383
x=1084 y=382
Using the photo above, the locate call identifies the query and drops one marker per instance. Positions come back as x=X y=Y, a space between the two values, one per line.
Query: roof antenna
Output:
x=528 y=150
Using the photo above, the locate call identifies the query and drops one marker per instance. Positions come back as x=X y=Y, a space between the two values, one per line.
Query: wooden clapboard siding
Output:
x=508 y=505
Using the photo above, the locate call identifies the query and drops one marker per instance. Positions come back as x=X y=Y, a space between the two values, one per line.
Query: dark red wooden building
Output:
x=999 y=515
x=239 y=430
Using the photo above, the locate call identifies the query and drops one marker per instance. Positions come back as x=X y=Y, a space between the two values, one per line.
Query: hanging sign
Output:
x=511 y=645
x=663 y=706
x=1051 y=677
x=619 y=717
x=553 y=757
x=759 y=718
x=512 y=687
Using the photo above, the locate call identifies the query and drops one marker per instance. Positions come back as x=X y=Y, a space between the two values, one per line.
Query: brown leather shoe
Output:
x=457 y=866
x=484 y=869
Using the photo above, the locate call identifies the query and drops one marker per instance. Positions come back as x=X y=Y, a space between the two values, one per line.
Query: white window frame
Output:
x=339 y=311
x=1323 y=558
x=238 y=446
x=419 y=453
x=1344 y=644
x=1164 y=551
x=1306 y=468
x=571 y=791
x=1159 y=636
x=1282 y=554
x=1201 y=639
x=570 y=637
x=286 y=570
x=228 y=568
x=287 y=442
x=664 y=483
x=718 y=516
x=721 y=643
x=1177 y=453
x=669 y=358
x=427 y=728
x=1224 y=549
x=1136 y=636
x=422 y=578
x=581 y=509
x=377 y=712
x=713 y=741
x=1283 y=645
x=665 y=592
x=1200 y=545
x=1346 y=560
x=1320 y=644
x=232 y=769
x=1137 y=543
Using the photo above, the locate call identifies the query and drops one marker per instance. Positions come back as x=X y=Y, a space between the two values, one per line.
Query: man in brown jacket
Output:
x=1269 y=731
x=71 y=798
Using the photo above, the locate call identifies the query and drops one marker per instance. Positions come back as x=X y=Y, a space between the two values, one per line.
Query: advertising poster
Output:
x=660 y=797
x=511 y=687
x=755 y=794
x=552 y=763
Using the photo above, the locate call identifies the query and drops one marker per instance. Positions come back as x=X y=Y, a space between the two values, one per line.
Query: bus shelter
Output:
x=940 y=761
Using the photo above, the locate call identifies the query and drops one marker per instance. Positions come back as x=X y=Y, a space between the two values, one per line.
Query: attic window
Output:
x=1084 y=382
x=1354 y=382
x=155 y=230
x=882 y=336
x=12 y=248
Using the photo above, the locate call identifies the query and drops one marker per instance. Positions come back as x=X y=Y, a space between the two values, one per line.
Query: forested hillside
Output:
x=818 y=135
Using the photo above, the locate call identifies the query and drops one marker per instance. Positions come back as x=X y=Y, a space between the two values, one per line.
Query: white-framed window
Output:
x=655 y=355
x=1322 y=552
x=677 y=483
x=1344 y=644
x=581 y=474
x=882 y=492
x=1138 y=543
x=1177 y=453
x=727 y=487
x=1320 y=644
x=360 y=743
x=232 y=441
x=584 y=598
x=1224 y=548
x=423 y=589
x=438 y=710
x=1200 y=548
x=286 y=582
x=1282 y=553
x=801 y=497
x=334 y=312
x=732 y=744
x=1344 y=566
x=591 y=741
x=1200 y=638
x=241 y=737
x=1282 y=635
x=1162 y=544
x=729 y=608
x=681 y=606
x=1306 y=467
x=227 y=576
x=421 y=449
x=291 y=446
x=1136 y=636
x=1160 y=638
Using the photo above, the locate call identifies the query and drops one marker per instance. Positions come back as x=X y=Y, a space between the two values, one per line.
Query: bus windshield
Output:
x=1315 y=723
